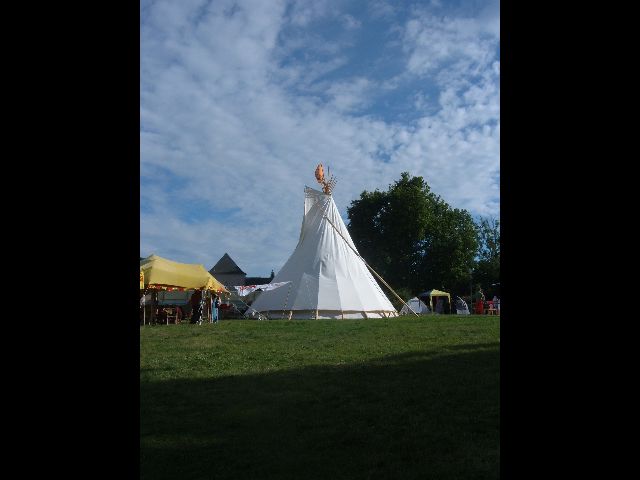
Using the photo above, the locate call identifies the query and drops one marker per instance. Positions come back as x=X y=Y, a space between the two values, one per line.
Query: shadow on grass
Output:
x=410 y=416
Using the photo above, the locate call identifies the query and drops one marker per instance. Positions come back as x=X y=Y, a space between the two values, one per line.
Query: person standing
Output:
x=439 y=305
x=480 y=301
x=216 y=305
x=196 y=306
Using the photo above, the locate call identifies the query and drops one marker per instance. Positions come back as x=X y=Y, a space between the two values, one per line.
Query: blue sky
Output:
x=240 y=100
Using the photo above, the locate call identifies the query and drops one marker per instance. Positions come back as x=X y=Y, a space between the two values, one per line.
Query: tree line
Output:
x=417 y=242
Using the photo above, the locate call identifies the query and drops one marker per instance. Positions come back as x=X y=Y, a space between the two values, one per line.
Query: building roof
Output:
x=226 y=265
x=259 y=280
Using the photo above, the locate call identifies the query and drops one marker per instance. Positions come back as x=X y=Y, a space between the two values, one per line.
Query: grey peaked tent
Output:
x=417 y=305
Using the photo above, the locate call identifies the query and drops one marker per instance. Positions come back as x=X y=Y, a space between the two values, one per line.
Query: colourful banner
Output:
x=244 y=290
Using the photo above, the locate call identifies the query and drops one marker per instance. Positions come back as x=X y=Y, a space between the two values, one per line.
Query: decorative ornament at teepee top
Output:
x=327 y=186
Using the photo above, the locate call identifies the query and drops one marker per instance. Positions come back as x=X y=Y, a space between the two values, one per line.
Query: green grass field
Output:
x=402 y=398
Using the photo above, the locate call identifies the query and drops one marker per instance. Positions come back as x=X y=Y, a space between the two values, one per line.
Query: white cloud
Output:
x=350 y=22
x=239 y=130
x=380 y=9
x=434 y=41
x=304 y=12
x=347 y=96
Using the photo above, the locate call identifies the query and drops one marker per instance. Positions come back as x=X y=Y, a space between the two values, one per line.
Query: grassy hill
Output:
x=402 y=398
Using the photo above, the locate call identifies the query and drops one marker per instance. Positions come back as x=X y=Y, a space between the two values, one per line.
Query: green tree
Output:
x=487 y=272
x=453 y=243
x=413 y=238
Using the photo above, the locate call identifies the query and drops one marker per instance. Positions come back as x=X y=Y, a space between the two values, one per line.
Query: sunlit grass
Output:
x=385 y=398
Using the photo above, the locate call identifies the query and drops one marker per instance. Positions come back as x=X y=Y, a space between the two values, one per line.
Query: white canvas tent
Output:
x=417 y=305
x=461 y=307
x=328 y=279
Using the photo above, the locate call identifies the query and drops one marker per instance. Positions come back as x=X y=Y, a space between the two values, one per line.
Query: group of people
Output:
x=482 y=305
x=163 y=313
x=198 y=304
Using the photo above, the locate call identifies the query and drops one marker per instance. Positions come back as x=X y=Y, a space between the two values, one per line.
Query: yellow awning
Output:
x=439 y=293
x=435 y=293
x=161 y=273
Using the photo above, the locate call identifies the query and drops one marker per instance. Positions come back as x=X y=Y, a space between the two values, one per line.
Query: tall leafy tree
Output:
x=412 y=237
x=453 y=244
x=487 y=272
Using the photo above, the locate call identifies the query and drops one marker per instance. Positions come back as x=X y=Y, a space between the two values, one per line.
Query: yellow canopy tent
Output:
x=157 y=273
x=434 y=293
x=163 y=274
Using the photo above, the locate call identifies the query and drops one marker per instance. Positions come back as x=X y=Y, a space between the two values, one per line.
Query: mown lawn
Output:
x=402 y=398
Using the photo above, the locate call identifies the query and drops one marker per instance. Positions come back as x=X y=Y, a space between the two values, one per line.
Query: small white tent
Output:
x=417 y=305
x=461 y=307
x=328 y=279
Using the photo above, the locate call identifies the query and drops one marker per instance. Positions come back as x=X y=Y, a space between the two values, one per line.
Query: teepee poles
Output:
x=369 y=267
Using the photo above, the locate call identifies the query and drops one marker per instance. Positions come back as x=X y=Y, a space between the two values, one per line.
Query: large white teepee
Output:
x=328 y=279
